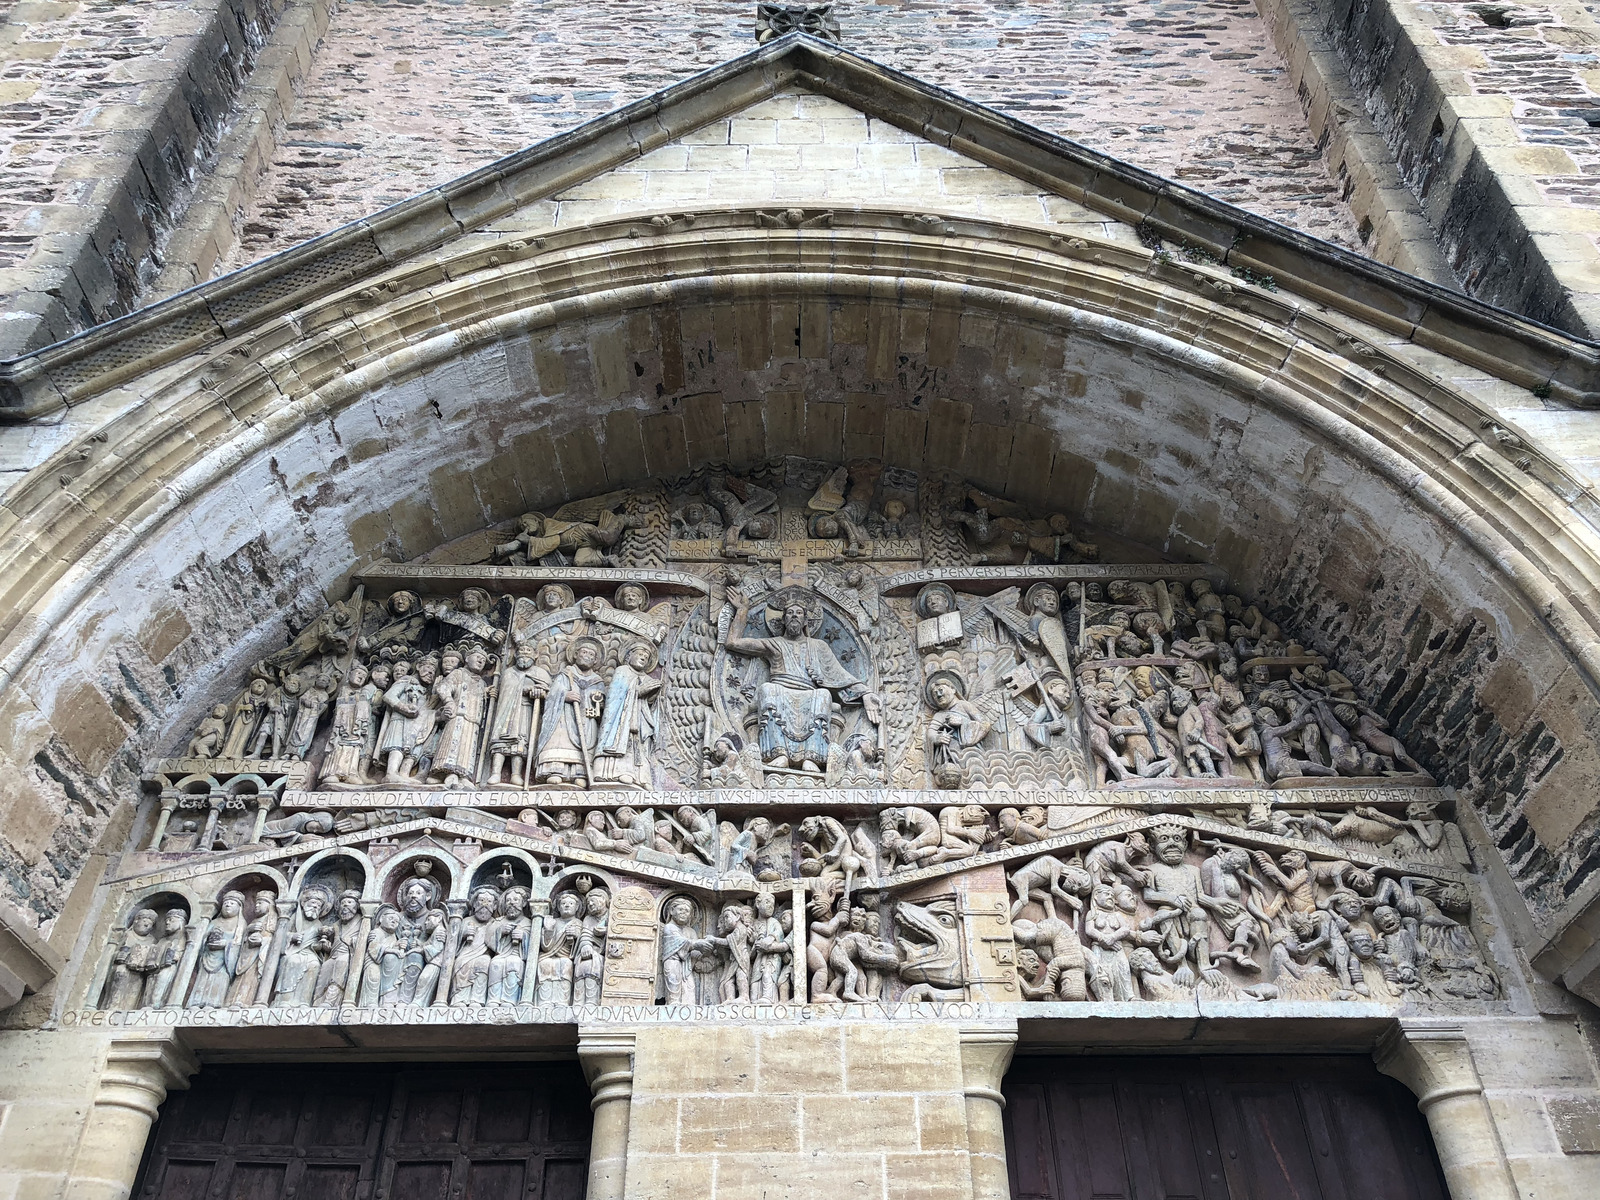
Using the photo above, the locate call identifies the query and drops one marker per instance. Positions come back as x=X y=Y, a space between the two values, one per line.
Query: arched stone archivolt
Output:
x=1155 y=402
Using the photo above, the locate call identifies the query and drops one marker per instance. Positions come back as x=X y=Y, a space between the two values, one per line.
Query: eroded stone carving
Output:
x=775 y=20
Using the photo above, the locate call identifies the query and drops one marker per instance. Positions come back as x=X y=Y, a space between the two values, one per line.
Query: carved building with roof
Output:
x=805 y=635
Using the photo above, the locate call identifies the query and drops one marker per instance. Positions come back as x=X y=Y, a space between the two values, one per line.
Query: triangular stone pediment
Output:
x=794 y=130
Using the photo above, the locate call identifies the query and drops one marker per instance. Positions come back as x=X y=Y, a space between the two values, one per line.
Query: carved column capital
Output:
x=607 y=1057
x=1434 y=1060
x=986 y=1052
x=141 y=1068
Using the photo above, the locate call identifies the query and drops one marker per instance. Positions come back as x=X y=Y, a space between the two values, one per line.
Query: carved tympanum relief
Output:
x=810 y=734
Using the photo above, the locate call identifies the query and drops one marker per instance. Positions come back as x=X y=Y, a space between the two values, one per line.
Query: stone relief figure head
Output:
x=380 y=676
x=450 y=660
x=515 y=901
x=586 y=653
x=632 y=597
x=316 y=902
x=427 y=670
x=403 y=603
x=477 y=659
x=1058 y=689
x=568 y=905
x=935 y=600
x=641 y=656
x=143 y=922
x=524 y=658
x=358 y=675
x=765 y=905
x=173 y=921
x=597 y=902
x=388 y=918
x=1386 y=919
x=680 y=910
x=794 y=613
x=1171 y=842
x=943 y=690
x=231 y=904
x=761 y=528
x=485 y=903
x=349 y=904
x=693 y=514
x=474 y=600
x=417 y=895
x=262 y=903
x=1042 y=599
x=554 y=597
x=1347 y=905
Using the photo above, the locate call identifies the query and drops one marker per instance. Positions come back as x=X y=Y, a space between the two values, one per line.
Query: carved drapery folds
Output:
x=808 y=734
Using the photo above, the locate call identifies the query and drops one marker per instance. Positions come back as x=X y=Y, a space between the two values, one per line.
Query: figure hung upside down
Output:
x=805 y=680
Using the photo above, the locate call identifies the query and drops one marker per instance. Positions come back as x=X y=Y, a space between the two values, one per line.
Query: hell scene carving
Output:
x=810 y=734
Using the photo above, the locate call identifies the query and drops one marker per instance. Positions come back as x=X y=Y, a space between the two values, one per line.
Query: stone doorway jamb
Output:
x=607 y=1058
x=141 y=1068
x=986 y=1052
x=1434 y=1060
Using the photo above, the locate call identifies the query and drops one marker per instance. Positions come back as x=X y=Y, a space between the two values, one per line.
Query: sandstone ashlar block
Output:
x=799 y=133
x=945 y=1176
x=856 y=1121
x=804 y=1061
x=747 y=1124
x=902 y=1058
x=941 y=1121
x=676 y=1062
x=670 y=1176
x=795 y=1177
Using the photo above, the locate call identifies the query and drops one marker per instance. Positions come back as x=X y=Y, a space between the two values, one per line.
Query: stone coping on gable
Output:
x=1527 y=353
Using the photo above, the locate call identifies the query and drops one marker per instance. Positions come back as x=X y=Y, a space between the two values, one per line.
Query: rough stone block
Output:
x=1576 y=1120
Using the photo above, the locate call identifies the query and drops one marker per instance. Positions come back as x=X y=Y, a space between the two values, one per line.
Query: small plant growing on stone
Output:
x=1260 y=279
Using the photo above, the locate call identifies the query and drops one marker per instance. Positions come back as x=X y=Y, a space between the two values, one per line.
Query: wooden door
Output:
x=272 y=1132
x=1280 y=1128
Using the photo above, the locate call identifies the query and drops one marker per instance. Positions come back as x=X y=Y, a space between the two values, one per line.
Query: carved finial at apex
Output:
x=775 y=20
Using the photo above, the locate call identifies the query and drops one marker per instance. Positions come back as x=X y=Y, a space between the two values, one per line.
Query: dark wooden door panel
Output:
x=1302 y=1128
x=374 y=1133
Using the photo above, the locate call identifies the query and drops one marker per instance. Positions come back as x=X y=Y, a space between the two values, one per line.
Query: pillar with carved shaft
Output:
x=985 y=1054
x=1434 y=1061
x=140 y=1070
x=607 y=1058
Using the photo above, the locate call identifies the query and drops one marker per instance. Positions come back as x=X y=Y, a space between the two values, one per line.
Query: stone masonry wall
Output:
x=409 y=93
x=1491 y=113
x=107 y=111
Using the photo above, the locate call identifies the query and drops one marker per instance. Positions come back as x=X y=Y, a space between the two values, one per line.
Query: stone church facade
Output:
x=806 y=635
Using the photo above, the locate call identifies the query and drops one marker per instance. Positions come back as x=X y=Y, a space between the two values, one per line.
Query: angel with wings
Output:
x=582 y=533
